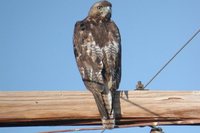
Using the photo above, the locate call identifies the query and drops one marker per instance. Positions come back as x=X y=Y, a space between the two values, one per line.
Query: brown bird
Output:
x=97 y=48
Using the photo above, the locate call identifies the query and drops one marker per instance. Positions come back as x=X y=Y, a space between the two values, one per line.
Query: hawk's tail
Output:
x=104 y=103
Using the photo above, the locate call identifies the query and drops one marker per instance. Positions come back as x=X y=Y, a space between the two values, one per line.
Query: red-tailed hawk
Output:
x=97 y=48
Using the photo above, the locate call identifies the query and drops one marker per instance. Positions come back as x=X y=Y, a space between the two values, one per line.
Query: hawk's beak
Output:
x=108 y=9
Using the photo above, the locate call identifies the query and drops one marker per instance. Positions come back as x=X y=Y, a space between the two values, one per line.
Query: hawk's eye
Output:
x=99 y=7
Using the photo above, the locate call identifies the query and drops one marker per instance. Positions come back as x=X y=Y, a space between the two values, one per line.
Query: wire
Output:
x=190 y=39
x=75 y=130
x=97 y=128
x=103 y=131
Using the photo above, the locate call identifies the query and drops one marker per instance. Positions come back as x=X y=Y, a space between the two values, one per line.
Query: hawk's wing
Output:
x=88 y=55
x=113 y=57
x=89 y=61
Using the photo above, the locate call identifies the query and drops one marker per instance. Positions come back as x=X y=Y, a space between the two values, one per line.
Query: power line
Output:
x=190 y=39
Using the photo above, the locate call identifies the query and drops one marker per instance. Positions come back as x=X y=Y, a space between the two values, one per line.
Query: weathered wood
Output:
x=136 y=108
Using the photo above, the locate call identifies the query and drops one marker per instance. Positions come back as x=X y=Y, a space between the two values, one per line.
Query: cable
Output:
x=172 y=58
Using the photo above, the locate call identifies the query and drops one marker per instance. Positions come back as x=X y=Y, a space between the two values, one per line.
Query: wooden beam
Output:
x=136 y=108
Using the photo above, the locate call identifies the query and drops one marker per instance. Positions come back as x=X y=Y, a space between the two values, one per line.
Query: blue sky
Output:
x=36 y=51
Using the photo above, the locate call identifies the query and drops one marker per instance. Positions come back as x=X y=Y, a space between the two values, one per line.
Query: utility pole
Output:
x=133 y=108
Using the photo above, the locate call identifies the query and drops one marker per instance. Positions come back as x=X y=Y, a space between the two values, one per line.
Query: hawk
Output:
x=97 y=49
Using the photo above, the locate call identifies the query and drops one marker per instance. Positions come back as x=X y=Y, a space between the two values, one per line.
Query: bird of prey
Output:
x=97 y=49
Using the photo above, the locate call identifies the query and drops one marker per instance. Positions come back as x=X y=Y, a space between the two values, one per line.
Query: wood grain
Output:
x=136 y=108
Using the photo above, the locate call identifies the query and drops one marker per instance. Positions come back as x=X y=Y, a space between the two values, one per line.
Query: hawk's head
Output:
x=101 y=10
